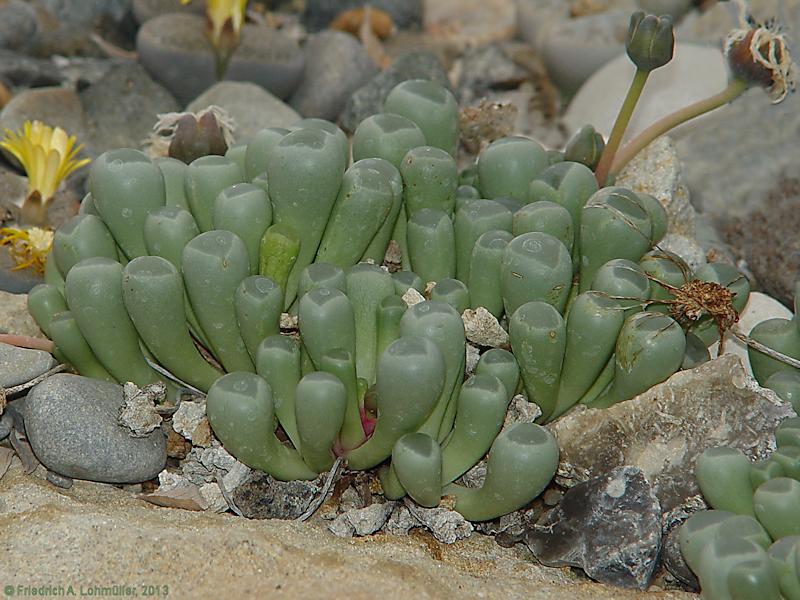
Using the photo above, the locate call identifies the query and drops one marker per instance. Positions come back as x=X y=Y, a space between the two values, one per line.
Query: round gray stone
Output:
x=18 y=25
x=20 y=365
x=175 y=51
x=144 y=10
x=56 y=106
x=71 y=424
x=252 y=107
x=121 y=107
x=336 y=65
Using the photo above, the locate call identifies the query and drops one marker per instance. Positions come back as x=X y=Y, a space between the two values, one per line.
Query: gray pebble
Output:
x=336 y=65
x=71 y=424
x=20 y=365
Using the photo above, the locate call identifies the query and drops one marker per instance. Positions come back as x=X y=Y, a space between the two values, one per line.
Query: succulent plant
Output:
x=747 y=545
x=192 y=267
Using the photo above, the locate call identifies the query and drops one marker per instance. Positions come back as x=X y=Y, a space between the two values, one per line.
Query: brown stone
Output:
x=665 y=429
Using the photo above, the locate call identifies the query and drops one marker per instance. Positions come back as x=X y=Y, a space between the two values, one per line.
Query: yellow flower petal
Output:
x=47 y=154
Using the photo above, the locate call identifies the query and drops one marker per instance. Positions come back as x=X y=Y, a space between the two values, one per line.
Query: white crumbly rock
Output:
x=176 y=486
x=483 y=329
x=207 y=465
x=138 y=413
x=288 y=322
x=361 y=521
x=189 y=420
x=521 y=411
x=447 y=526
x=412 y=297
x=213 y=496
x=169 y=480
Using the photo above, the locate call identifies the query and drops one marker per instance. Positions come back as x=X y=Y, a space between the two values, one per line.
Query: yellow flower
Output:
x=28 y=247
x=46 y=154
x=219 y=12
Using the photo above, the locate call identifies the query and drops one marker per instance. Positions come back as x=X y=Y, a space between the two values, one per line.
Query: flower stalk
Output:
x=650 y=44
x=735 y=88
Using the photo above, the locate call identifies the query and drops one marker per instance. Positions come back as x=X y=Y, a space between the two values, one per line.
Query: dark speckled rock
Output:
x=609 y=526
x=71 y=424
x=262 y=497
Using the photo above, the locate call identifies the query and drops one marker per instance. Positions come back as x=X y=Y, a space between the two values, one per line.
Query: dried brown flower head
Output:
x=759 y=54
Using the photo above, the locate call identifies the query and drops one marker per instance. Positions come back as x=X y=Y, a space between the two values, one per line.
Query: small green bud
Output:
x=651 y=41
x=585 y=147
